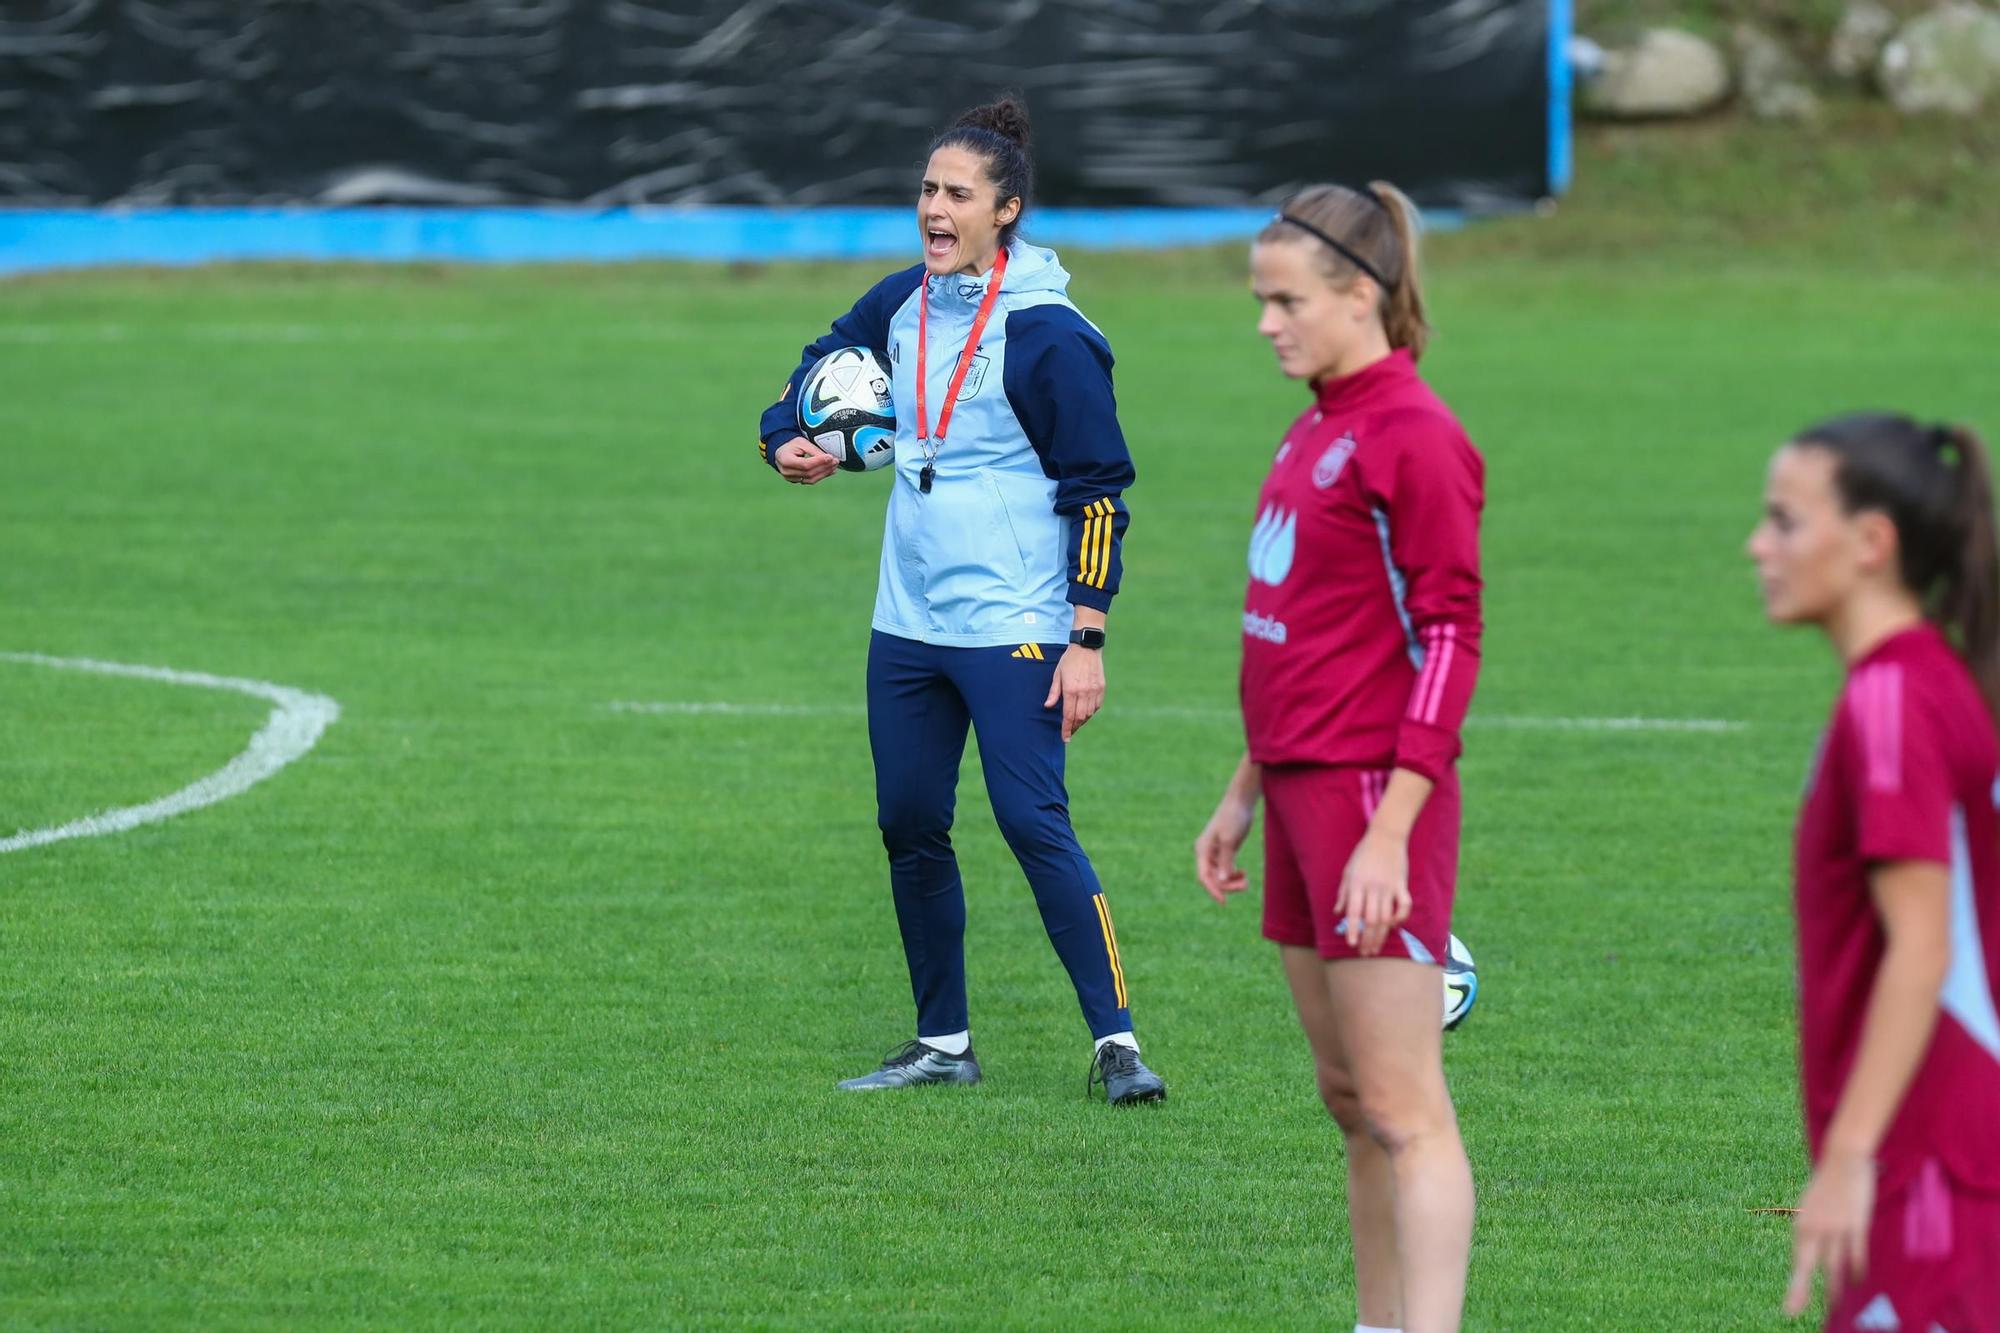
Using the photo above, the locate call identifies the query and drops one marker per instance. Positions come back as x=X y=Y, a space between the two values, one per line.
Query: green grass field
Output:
x=504 y=1007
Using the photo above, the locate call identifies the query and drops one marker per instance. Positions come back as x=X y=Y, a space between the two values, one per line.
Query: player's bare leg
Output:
x=1389 y=1013
x=1371 y=1202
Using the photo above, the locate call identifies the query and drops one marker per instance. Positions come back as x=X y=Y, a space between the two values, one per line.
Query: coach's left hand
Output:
x=1079 y=685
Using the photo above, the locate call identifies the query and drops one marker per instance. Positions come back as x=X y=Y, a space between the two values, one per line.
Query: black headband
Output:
x=1344 y=252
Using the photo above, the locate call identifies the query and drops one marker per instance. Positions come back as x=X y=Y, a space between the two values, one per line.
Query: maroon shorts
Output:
x=1933 y=1261
x=1313 y=818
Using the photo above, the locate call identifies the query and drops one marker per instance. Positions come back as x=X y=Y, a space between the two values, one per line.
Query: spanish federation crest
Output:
x=1327 y=470
x=975 y=375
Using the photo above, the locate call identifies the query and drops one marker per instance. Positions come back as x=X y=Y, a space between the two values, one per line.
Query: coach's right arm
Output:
x=866 y=324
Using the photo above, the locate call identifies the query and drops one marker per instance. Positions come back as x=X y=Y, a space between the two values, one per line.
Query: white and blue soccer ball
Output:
x=845 y=408
x=1461 y=983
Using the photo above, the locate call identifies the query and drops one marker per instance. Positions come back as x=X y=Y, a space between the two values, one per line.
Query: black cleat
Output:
x=913 y=1063
x=1126 y=1080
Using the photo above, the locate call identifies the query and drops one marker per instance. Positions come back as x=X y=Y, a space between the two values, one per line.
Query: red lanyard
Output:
x=964 y=361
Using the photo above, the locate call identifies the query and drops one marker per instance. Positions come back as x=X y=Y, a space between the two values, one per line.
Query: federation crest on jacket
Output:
x=975 y=375
x=1327 y=470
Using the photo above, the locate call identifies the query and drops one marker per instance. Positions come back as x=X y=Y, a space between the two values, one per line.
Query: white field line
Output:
x=704 y=708
x=294 y=727
x=241 y=333
x=1708 y=724
x=278 y=333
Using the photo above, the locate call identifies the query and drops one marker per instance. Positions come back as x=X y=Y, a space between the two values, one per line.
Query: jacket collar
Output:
x=1346 y=391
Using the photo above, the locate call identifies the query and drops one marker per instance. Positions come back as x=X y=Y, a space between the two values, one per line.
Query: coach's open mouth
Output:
x=938 y=243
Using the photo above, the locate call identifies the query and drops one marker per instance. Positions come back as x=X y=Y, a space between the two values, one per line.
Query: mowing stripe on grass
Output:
x=724 y=708
x=294 y=727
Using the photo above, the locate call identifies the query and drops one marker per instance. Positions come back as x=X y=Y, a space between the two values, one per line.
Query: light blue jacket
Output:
x=1026 y=515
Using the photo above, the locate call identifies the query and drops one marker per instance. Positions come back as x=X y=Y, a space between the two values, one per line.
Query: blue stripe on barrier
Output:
x=1561 y=22
x=34 y=239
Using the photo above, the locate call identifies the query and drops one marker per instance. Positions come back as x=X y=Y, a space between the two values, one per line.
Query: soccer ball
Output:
x=1461 y=983
x=846 y=410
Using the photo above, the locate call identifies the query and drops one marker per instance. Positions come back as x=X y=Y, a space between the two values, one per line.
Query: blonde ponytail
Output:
x=1403 y=306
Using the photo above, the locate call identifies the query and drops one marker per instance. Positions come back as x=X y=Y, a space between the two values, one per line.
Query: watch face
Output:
x=1087 y=638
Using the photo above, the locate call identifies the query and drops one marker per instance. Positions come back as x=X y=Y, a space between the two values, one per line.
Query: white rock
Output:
x=1947 y=60
x=1586 y=58
x=1667 y=72
x=1858 y=39
x=1773 y=85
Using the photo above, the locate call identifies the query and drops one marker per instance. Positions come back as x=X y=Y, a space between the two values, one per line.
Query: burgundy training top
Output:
x=1905 y=772
x=1361 y=624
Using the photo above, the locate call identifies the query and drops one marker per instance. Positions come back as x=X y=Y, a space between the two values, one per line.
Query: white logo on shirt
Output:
x=1268 y=629
x=1284 y=452
x=1879 y=1317
x=1327 y=470
x=1272 y=544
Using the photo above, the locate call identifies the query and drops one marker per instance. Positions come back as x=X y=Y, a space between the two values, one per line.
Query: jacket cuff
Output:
x=1082 y=594
x=1427 y=751
x=768 y=445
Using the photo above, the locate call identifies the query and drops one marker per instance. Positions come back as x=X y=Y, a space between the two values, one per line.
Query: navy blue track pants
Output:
x=921 y=699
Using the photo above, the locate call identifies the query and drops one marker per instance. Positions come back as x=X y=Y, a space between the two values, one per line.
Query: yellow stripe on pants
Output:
x=1111 y=948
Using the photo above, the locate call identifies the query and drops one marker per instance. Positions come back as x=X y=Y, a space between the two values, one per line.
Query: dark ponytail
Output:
x=1972 y=602
x=1936 y=485
x=997 y=134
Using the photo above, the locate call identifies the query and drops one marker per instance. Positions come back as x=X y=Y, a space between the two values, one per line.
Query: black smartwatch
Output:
x=1087 y=638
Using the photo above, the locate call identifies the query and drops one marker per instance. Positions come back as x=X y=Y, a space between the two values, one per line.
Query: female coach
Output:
x=1360 y=646
x=1000 y=557
x=1880 y=532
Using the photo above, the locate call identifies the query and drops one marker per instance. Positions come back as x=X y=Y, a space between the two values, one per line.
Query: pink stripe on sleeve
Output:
x=1428 y=637
x=1892 y=739
x=1421 y=690
x=1446 y=645
x=1877 y=704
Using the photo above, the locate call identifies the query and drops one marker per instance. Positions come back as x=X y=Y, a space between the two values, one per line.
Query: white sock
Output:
x=958 y=1043
x=1375 y=1328
x=1122 y=1038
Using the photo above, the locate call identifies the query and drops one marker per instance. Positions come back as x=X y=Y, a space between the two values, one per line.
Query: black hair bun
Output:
x=1007 y=117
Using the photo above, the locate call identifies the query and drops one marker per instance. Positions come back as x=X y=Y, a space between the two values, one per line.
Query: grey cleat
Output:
x=913 y=1063
x=1126 y=1080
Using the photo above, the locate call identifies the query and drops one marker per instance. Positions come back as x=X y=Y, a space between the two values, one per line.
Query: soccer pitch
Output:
x=518 y=1000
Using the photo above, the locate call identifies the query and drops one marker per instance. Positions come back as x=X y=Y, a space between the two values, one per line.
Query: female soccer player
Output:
x=1880 y=532
x=1000 y=558
x=1360 y=646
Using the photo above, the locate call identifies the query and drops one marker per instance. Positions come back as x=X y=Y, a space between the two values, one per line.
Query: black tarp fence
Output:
x=603 y=103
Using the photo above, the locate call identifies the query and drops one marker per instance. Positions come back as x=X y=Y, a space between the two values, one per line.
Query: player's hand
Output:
x=1830 y=1233
x=1216 y=848
x=1374 y=891
x=804 y=463
x=1079 y=686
